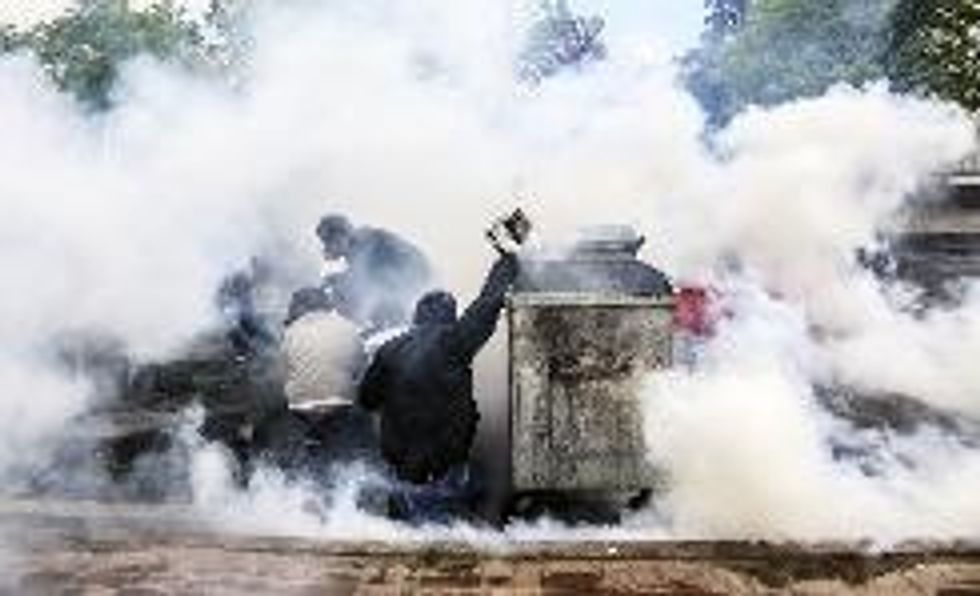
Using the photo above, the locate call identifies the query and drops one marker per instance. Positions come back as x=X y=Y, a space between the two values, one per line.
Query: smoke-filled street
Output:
x=536 y=296
x=98 y=549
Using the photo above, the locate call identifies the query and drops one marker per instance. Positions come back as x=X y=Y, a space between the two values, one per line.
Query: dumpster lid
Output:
x=611 y=240
x=524 y=299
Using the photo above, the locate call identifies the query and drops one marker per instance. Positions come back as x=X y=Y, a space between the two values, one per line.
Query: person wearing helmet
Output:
x=323 y=358
x=384 y=273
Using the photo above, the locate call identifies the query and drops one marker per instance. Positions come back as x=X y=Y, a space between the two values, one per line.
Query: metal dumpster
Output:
x=578 y=361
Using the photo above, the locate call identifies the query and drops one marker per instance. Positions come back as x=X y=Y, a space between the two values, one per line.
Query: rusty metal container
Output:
x=578 y=361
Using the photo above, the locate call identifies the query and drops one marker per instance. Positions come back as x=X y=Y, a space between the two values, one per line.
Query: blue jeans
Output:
x=443 y=501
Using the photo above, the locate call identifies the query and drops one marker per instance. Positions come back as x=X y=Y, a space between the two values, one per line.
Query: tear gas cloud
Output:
x=409 y=117
x=750 y=451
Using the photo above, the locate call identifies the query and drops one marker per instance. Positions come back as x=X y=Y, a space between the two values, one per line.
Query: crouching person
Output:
x=421 y=384
x=322 y=426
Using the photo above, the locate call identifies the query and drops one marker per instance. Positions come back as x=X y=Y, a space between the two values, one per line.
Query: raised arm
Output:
x=479 y=320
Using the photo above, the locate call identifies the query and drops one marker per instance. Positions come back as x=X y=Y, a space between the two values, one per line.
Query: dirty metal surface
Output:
x=67 y=548
x=578 y=363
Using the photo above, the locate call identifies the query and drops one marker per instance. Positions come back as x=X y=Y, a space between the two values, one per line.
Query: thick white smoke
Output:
x=750 y=452
x=408 y=117
x=748 y=447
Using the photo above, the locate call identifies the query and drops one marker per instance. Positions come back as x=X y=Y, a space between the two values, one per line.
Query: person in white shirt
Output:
x=322 y=351
x=323 y=358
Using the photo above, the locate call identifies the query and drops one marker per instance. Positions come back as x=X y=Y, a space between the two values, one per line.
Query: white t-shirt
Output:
x=323 y=353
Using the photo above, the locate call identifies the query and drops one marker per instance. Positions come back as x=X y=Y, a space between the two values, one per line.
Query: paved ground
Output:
x=93 y=549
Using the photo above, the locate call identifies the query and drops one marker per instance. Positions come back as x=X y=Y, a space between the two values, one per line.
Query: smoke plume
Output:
x=408 y=116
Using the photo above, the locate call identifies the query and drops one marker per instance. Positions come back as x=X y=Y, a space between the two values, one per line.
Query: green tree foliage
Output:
x=559 y=39
x=232 y=41
x=83 y=49
x=9 y=39
x=786 y=49
x=934 y=47
x=724 y=16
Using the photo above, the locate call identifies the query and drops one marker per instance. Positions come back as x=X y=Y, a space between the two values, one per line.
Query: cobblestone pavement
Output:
x=98 y=551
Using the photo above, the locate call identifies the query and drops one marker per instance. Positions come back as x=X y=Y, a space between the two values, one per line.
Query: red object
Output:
x=692 y=310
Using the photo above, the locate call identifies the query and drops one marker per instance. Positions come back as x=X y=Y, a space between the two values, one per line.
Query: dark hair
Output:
x=333 y=226
x=307 y=300
x=438 y=307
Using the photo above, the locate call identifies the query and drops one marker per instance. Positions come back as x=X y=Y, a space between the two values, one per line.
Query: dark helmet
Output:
x=336 y=235
x=236 y=289
x=307 y=300
x=435 y=308
x=333 y=227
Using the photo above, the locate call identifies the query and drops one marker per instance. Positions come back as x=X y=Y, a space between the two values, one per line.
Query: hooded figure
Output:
x=384 y=277
x=247 y=332
x=421 y=382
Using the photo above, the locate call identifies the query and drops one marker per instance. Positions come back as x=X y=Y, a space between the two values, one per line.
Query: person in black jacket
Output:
x=421 y=382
